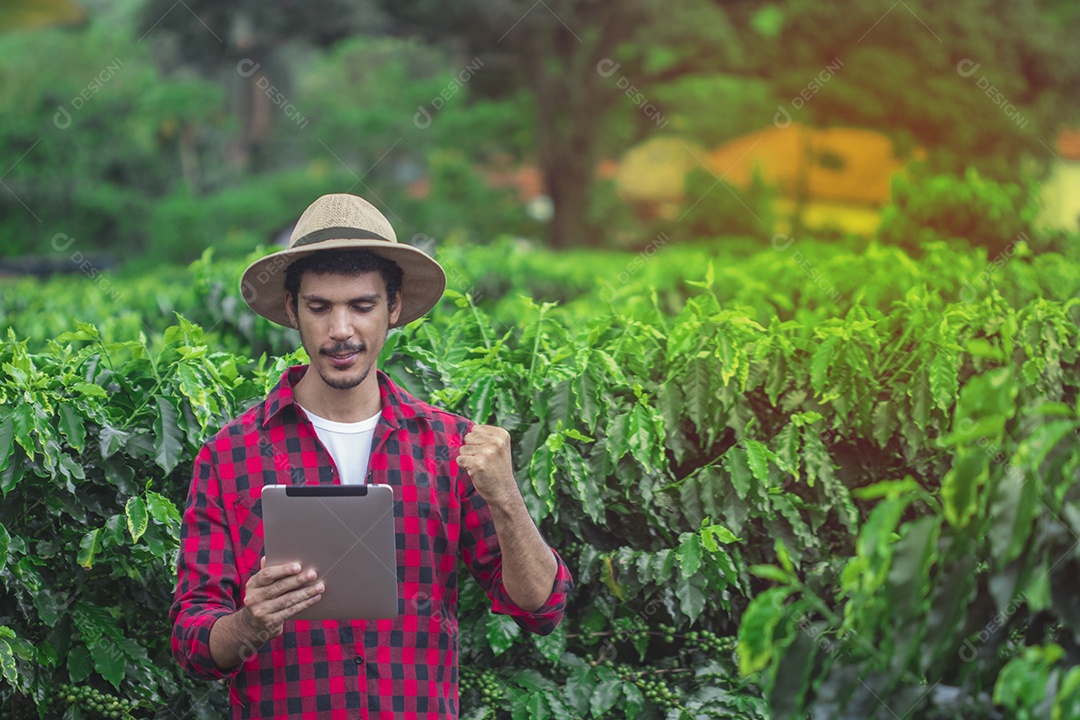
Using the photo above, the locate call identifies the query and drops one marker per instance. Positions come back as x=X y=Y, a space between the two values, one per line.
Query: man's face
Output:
x=343 y=323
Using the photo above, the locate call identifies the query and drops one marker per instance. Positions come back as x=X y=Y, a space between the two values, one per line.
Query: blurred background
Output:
x=138 y=133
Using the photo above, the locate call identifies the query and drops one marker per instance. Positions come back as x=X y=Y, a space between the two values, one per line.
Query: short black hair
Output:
x=345 y=262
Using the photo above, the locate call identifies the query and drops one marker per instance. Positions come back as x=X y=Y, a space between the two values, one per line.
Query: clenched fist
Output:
x=486 y=457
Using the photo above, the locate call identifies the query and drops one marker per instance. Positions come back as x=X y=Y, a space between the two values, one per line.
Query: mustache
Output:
x=343 y=349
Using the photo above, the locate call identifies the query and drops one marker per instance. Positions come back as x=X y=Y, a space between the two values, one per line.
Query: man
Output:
x=343 y=282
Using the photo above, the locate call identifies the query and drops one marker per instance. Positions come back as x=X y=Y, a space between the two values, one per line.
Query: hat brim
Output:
x=422 y=284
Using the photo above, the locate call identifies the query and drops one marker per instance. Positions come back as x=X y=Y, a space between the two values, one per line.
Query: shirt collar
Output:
x=397 y=405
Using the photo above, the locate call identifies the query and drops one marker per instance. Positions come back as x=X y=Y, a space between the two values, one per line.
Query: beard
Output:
x=338 y=382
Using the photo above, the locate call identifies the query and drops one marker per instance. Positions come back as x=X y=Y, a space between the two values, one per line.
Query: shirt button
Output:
x=359 y=660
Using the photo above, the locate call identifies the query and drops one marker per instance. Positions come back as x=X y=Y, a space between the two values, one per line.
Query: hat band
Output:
x=337 y=233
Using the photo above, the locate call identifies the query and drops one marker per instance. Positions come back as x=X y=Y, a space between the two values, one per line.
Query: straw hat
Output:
x=347 y=222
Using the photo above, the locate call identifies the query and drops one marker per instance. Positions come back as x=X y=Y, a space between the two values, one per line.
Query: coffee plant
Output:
x=786 y=501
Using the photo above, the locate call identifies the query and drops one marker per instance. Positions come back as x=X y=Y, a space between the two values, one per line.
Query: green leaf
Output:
x=531 y=706
x=633 y=700
x=542 y=471
x=771 y=572
x=692 y=598
x=960 y=488
x=663 y=563
x=579 y=688
x=7 y=435
x=79 y=664
x=7 y=662
x=909 y=576
x=794 y=674
x=884 y=423
x=821 y=362
x=137 y=519
x=735 y=463
x=88 y=390
x=689 y=554
x=587 y=392
x=784 y=557
x=607 y=691
x=71 y=425
x=109 y=660
x=1014 y=507
x=787 y=449
x=168 y=437
x=5 y=543
x=758 y=457
x=88 y=548
x=111 y=440
x=699 y=398
x=759 y=621
x=501 y=631
x=1021 y=684
x=642 y=438
x=711 y=534
x=887 y=488
x=162 y=509
x=1067 y=702
x=587 y=487
x=944 y=371
x=553 y=645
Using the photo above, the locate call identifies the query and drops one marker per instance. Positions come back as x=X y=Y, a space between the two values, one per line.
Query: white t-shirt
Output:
x=349 y=444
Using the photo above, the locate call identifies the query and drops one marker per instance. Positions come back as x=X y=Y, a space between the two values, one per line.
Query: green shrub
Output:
x=849 y=504
x=234 y=220
x=981 y=212
x=715 y=208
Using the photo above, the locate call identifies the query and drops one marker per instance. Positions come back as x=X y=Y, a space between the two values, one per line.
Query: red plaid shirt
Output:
x=402 y=668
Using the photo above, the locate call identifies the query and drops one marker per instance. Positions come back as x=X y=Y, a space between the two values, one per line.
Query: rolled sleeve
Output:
x=483 y=556
x=545 y=618
x=206 y=584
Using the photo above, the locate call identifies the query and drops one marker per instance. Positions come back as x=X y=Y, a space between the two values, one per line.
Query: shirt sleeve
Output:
x=482 y=555
x=207 y=586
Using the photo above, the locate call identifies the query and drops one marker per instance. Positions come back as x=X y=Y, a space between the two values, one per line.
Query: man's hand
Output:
x=486 y=457
x=271 y=596
x=276 y=593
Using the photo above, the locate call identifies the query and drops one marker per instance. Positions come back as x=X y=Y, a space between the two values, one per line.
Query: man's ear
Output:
x=289 y=310
x=396 y=313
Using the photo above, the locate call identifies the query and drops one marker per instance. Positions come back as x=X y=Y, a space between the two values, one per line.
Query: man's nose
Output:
x=340 y=327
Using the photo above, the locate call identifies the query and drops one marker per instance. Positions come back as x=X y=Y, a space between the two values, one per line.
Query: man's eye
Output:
x=364 y=308
x=317 y=308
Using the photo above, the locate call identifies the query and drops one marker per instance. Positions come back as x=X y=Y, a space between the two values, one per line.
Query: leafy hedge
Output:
x=870 y=513
x=798 y=279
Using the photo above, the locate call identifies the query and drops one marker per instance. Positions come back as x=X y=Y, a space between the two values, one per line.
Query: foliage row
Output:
x=873 y=513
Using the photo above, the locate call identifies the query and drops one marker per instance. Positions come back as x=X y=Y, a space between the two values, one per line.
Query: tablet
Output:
x=346 y=534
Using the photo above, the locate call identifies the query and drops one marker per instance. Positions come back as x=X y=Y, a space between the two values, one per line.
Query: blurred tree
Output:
x=579 y=60
x=240 y=45
x=90 y=139
x=976 y=82
x=983 y=83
